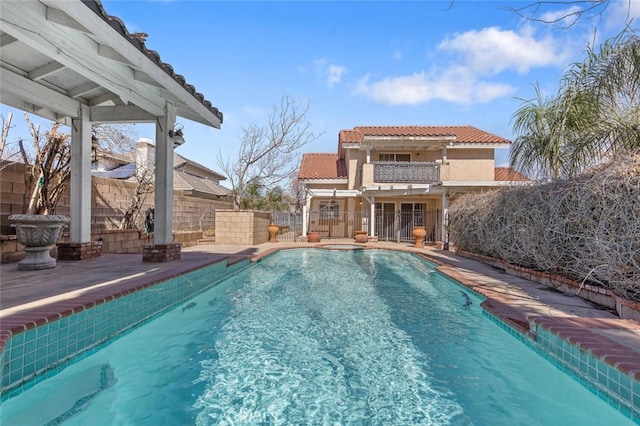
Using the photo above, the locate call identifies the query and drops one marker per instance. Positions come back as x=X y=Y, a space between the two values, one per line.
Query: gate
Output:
x=290 y=225
x=336 y=225
x=398 y=225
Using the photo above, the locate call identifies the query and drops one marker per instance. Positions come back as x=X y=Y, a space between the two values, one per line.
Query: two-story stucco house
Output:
x=387 y=179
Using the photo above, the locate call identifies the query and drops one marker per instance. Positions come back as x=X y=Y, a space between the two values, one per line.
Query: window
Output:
x=329 y=210
x=395 y=157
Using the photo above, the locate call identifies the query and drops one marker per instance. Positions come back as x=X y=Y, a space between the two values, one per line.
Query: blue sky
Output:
x=358 y=63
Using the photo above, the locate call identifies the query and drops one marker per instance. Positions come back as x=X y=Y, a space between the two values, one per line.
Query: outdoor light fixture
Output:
x=176 y=135
x=94 y=146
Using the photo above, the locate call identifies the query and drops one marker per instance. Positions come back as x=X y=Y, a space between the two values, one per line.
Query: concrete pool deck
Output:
x=31 y=298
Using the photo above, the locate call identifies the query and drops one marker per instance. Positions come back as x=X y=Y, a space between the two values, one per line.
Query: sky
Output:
x=358 y=63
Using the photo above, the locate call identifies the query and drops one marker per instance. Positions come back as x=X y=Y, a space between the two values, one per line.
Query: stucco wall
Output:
x=469 y=164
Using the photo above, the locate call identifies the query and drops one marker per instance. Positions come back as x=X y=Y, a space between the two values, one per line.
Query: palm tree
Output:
x=595 y=116
x=536 y=152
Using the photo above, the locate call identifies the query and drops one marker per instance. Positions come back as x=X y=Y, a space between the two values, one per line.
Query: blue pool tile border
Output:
x=40 y=352
x=610 y=384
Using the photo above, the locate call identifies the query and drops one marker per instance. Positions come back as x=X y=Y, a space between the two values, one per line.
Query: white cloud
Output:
x=562 y=17
x=455 y=86
x=331 y=72
x=334 y=74
x=397 y=55
x=620 y=12
x=467 y=65
x=492 y=50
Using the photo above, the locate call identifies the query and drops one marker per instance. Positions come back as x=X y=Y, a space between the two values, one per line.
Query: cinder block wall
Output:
x=242 y=227
x=110 y=198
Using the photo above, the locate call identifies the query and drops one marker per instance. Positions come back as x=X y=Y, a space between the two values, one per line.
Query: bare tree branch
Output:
x=267 y=153
x=564 y=14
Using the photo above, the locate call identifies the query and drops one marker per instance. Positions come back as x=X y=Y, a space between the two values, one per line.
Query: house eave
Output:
x=485 y=183
x=479 y=145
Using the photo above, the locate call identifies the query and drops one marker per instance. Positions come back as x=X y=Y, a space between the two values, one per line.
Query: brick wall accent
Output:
x=161 y=252
x=127 y=241
x=242 y=227
x=79 y=251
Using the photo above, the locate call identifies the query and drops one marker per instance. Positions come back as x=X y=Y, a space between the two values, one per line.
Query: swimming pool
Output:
x=314 y=337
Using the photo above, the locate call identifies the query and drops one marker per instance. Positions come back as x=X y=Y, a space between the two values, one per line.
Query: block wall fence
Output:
x=110 y=198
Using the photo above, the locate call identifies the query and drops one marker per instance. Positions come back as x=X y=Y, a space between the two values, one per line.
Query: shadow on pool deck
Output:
x=29 y=297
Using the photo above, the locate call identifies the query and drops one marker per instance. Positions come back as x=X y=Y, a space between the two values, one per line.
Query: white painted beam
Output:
x=6 y=39
x=163 y=202
x=80 y=188
x=76 y=50
x=34 y=93
x=83 y=89
x=59 y=17
x=107 y=97
x=109 y=36
x=111 y=53
x=120 y=114
x=44 y=71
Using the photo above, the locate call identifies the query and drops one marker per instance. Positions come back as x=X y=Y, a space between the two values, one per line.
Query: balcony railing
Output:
x=413 y=172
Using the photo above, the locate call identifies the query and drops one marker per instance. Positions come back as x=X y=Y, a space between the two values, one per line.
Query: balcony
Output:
x=406 y=172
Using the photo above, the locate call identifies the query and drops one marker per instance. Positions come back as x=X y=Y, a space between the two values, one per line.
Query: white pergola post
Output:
x=372 y=222
x=305 y=214
x=163 y=227
x=445 y=217
x=80 y=188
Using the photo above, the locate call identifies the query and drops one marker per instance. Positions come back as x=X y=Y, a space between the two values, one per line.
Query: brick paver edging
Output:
x=625 y=308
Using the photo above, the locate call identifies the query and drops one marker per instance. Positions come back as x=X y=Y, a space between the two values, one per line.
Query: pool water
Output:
x=317 y=337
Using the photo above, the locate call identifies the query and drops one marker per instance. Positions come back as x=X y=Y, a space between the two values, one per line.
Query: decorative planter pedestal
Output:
x=419 y=232
x=273 y=232
x=313 y=237
x=361 y=236
x=38 y=233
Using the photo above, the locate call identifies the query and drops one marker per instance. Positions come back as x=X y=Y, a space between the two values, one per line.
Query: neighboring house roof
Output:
x=121 y=172
x=322 y=166
x=463 y=134
x=197 y=185
x=181 y=162
x=190 y=177
x=505 y=174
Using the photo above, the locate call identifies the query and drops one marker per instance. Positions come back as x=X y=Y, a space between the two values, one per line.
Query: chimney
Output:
x=145 y=158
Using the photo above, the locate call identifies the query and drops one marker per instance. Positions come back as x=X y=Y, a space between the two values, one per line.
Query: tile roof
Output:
x=138 y=40
x=322 y=166
x=463 y=134
x=505 y=174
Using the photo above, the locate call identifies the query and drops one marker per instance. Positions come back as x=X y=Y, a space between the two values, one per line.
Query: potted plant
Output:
x=273 y=232
x=314 y=237
x=38 y=234
x=361 y=236
x=48 y=176
x=419 y=232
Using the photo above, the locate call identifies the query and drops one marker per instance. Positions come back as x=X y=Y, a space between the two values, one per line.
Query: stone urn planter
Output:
x=361 y=236
x=38 y=234
x=313 y=237
x=273 y=232
x=419 y=232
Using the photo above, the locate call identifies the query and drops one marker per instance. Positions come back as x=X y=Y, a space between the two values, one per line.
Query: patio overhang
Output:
x=57 y=55
x=396 y=190
x=71 y=62
x=334 y=193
